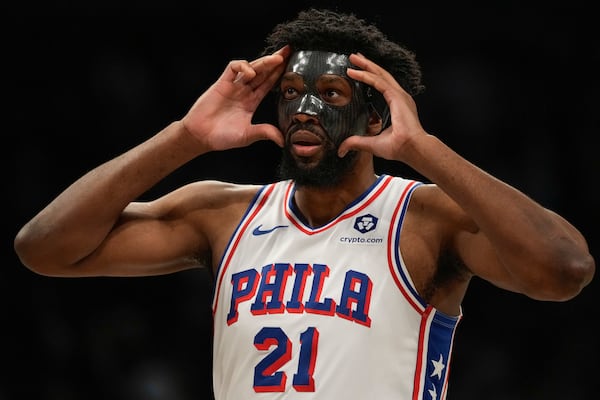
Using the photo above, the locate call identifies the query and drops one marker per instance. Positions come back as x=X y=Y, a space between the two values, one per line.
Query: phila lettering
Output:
x=265 y=289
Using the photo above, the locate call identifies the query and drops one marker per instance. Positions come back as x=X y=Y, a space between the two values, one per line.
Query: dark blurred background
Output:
x=513 y=89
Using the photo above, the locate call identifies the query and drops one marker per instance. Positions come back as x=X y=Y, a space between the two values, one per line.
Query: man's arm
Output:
x=516 y=243
x=93 y=223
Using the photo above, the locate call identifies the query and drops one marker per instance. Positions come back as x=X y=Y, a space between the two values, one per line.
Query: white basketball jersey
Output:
x=326 y=312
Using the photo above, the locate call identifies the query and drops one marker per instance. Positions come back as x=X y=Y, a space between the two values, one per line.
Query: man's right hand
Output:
x=221 y=118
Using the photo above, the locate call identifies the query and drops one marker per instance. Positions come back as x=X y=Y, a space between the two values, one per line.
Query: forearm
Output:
x=496 y=207
x=76 y=222
x=531 y=242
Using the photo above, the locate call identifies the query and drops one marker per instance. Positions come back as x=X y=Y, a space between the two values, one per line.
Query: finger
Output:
x=377 y=81
x=266 y=64
x=271 y=60
x=266 y=132
x=269 y=79
x=243 y=72
x=363 y=143
x=367 y=65
x=235 y=70
x=371 y=73
x=284 y=51
x=267 y=72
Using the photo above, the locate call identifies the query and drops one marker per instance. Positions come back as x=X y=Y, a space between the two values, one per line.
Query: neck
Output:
x=321 y=205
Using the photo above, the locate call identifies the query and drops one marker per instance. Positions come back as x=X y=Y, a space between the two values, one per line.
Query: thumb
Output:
x=268 y=132
x=355 y=142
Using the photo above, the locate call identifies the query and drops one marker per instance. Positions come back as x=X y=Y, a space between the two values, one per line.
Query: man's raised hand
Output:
x=221 y=118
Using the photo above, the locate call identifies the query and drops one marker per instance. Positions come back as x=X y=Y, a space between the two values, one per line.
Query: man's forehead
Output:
x=309 y=62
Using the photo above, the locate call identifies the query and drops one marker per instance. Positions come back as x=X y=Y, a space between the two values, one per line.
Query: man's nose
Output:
x=310 y=105
x=302 y=117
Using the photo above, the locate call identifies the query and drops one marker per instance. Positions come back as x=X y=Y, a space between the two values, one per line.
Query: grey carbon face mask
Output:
x=338 y=121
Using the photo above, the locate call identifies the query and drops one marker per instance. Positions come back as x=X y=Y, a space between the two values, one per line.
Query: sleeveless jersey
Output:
x=326 y=312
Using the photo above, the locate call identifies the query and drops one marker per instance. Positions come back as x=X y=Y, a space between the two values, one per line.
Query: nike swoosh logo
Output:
x=257 y=231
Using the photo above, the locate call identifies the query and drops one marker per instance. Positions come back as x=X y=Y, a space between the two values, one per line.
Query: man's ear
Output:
x=375 y=123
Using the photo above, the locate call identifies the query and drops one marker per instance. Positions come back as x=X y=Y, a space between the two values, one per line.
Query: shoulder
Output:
x=209 y=195
x=430 y=203
x=212 y=209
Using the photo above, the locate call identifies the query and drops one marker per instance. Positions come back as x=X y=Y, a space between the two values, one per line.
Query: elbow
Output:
x=571 y=278
x=582 y=272
x=30 y=252
x=21 y=245
x=25 y=250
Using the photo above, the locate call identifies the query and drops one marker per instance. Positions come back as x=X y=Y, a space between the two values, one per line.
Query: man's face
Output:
x=319 y=106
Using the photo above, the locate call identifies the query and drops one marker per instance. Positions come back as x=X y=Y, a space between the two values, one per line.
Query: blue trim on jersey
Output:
x=438 y=357
x=397 y=258
x=250 y=207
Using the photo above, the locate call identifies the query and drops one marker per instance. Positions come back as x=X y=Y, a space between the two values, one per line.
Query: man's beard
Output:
x=328 y=172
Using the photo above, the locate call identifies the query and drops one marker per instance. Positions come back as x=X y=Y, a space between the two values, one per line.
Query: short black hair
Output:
x=328 y=30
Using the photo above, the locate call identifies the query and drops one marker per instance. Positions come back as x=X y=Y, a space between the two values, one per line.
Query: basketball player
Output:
x=334 y=282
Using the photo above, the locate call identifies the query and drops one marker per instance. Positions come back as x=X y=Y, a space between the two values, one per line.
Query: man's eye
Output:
x=335 y=97
x=289 y=92
x=331 y=94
